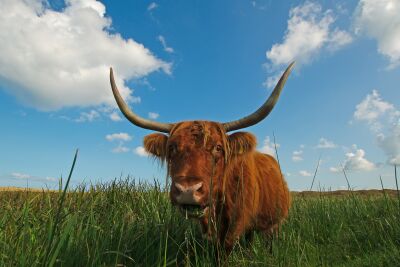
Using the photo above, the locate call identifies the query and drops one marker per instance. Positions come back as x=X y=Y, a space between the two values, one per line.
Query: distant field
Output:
x=19 y=189
x=127 y=224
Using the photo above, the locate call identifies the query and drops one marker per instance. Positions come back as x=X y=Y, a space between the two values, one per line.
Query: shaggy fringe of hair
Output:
x=234 y=145
x=240 y=143
x=156 y=143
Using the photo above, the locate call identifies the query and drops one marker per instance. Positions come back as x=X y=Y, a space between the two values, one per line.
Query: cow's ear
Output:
x=156 y=145
x=241 y=142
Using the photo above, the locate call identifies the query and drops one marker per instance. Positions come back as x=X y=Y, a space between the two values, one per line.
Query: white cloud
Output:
x=372 y=109
x=356 y=161
x=124 y=137
x=305 y=173
x=52 y=59
x=19 y=175
x=309 y=31
x=140 y=151
x=258 y=6
x=390 y=144
x=153 y=5
x=50 y=179
x=383 y=119
x=164 y=44
x=269 y=147
x=114 y=116
x=88 y=116
x=153 y=115
x=120 y=149
x=335 y=169
x=297 y=155
x=380 y=20
x=324 y=143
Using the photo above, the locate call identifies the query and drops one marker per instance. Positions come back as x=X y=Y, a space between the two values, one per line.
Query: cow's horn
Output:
x=264 y=110
x=132 y=117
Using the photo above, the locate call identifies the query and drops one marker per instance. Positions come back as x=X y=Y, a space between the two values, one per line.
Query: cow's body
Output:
x=241 y=190
x=256 y=197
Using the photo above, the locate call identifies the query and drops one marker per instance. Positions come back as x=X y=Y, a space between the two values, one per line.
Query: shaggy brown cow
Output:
x=217 y=178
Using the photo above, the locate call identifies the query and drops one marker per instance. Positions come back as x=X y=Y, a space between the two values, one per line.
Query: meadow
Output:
x=124 y=223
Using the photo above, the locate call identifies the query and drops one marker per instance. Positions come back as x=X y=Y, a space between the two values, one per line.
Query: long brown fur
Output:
x=248 y=191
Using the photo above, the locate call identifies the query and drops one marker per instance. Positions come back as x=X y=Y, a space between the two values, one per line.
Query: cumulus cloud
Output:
x=153 y=115
x=390 y=144
x=324 y=143
x=118 y=136
x=383 y=119
x=355 y=161
x=305 y=173
x=309 y=31
x=120 y=149
x=164 y=44
x=151 y=6
x=19 y=175
x=114 y=116
x=268 y=147
x=335 y=169
x=380 y=20
x=373 y=109
x=297 y=155
x=121 y=138
x=88 y=116
x=140 y=151
x=53 y=59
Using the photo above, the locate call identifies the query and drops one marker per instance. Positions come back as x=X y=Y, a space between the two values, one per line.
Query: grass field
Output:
x=128 y=224
x=124 y=223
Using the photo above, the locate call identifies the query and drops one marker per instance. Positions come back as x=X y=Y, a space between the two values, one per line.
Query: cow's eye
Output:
x=172 y=148
x=218 y=148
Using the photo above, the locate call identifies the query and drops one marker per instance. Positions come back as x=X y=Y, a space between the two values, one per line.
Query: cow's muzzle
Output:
x=190 y=199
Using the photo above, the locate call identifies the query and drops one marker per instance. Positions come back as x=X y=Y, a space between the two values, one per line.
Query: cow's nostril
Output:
x=197 y=187
x=179 y=187
x=189 y=189
x=200 y=189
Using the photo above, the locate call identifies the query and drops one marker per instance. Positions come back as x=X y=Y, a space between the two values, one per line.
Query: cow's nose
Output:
x=189 y=194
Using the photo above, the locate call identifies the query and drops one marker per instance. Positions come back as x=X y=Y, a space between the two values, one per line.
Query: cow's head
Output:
x=198 y=152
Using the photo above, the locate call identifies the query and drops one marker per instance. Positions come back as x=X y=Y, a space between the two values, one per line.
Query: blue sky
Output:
x=211 y=60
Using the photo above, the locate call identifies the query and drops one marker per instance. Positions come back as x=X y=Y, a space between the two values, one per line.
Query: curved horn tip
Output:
x=291 y=65
x=265 y=109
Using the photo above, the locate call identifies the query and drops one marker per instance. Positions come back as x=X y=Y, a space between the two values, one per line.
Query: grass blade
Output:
x=57 y=218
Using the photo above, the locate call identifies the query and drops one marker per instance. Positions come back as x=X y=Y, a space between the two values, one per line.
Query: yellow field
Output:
x=21 y=189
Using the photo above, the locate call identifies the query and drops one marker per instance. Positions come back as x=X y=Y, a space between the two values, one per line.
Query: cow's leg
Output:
x=233 y=234
x=270 y=233
x=205 y=228
x=249 y=236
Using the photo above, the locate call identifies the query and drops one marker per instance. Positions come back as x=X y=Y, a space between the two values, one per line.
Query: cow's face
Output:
x=197 y=154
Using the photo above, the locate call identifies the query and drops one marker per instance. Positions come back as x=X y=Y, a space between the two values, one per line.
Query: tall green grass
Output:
x=134 y=224
x=124 y=223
